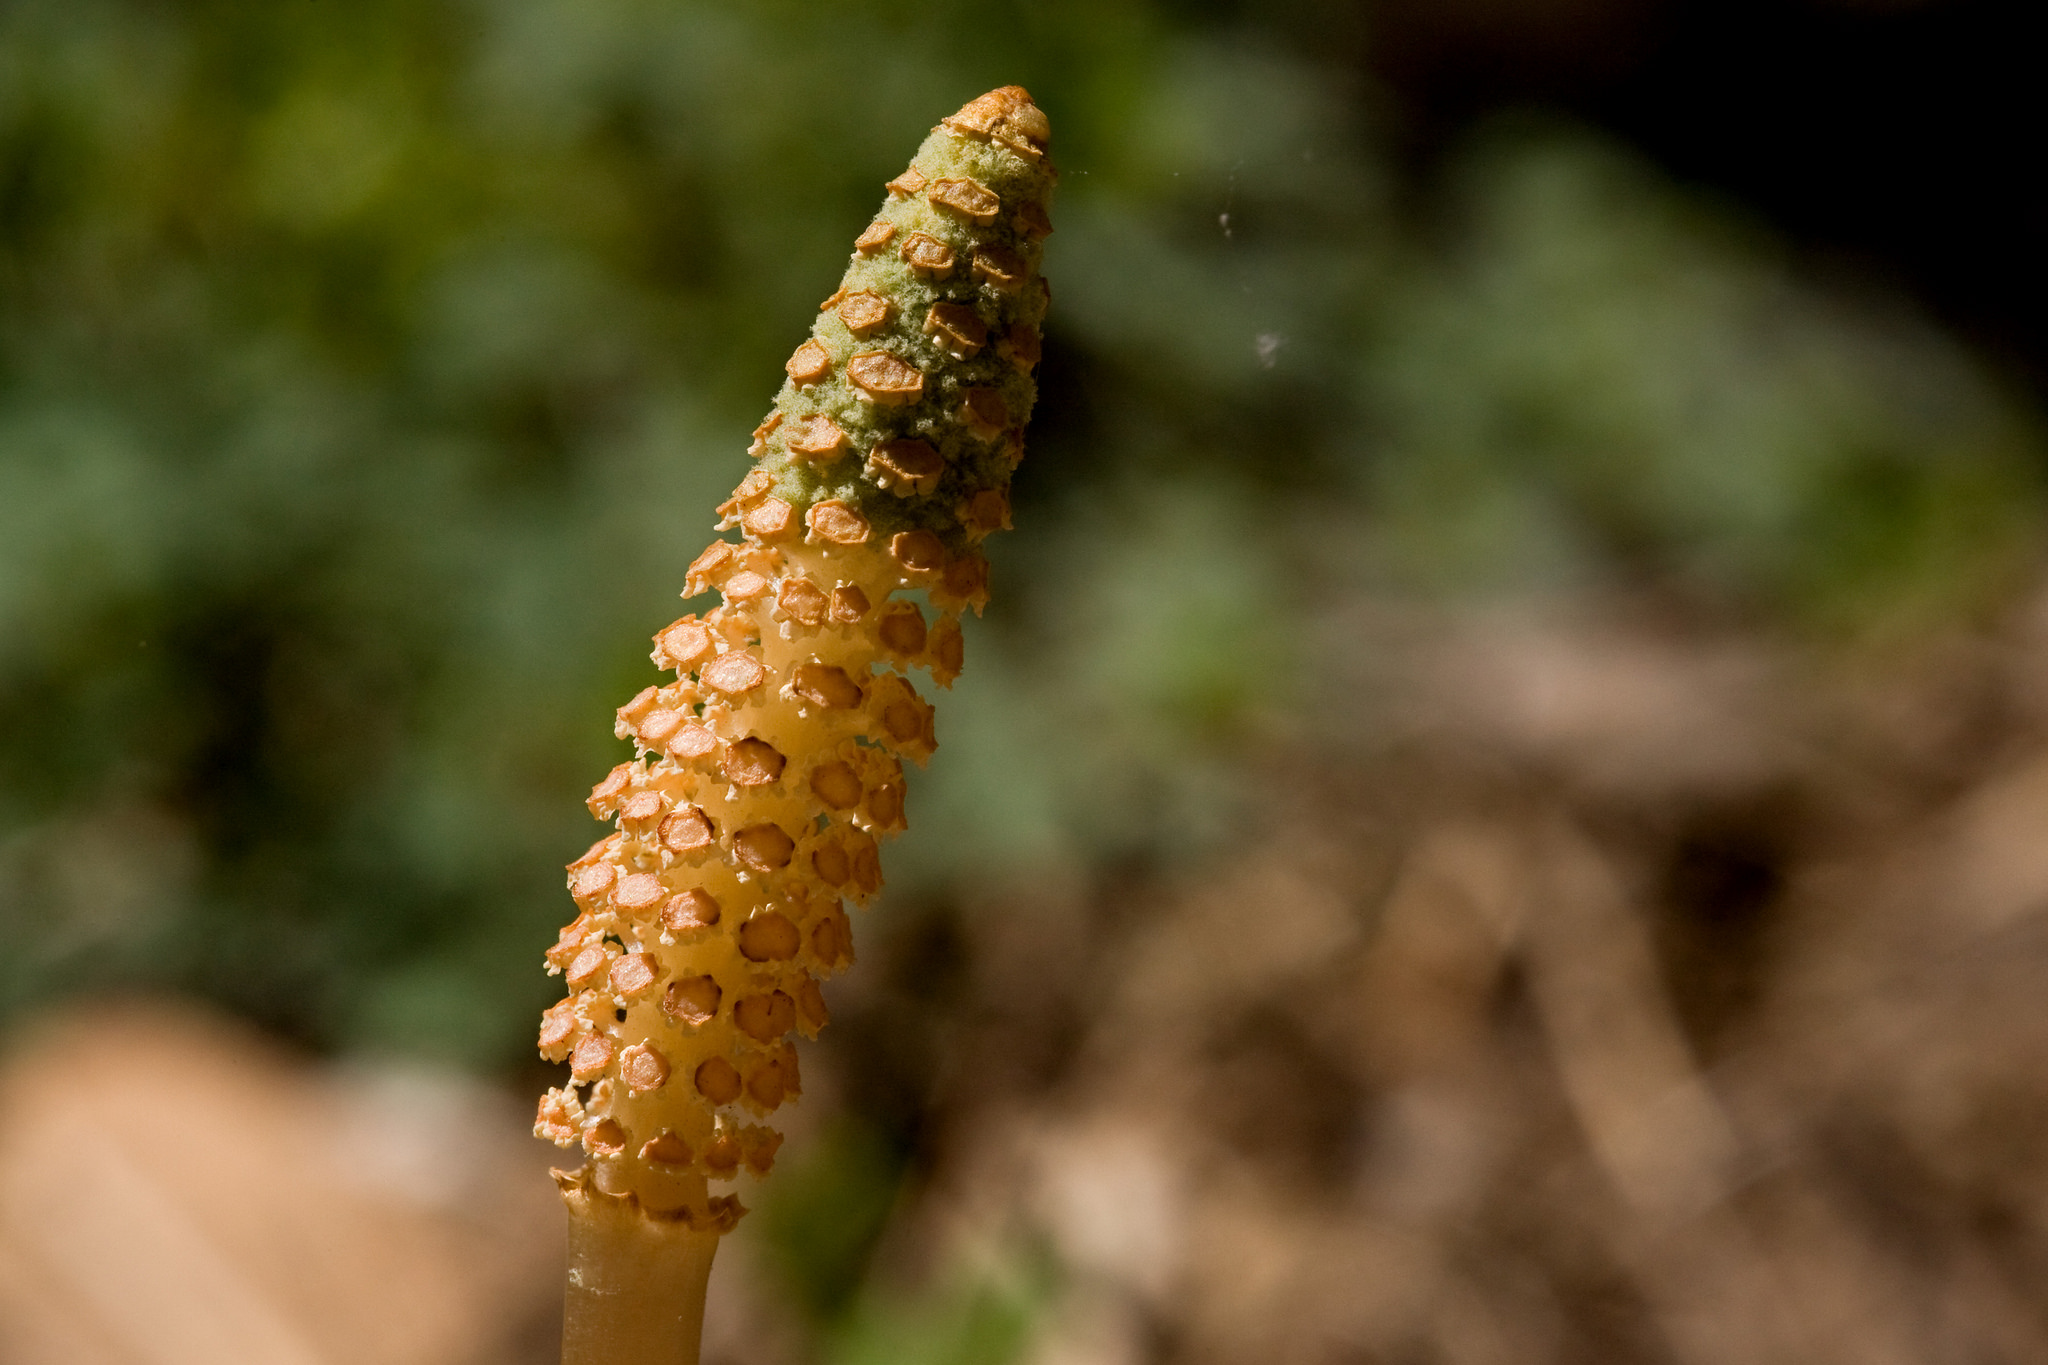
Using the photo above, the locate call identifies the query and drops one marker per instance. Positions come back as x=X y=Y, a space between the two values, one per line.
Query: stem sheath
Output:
x=635 y=1293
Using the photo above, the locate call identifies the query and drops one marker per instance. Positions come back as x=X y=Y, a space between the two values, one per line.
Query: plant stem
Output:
x=636 y=1284
x=707 y=921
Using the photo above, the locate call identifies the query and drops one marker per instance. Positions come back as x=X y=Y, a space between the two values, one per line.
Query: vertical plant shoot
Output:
x=770 y=768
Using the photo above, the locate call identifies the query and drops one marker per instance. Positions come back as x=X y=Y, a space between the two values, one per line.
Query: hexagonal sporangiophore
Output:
x=769 y=767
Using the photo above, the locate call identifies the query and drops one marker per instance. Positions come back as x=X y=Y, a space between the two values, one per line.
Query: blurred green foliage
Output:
x=966 y=1323
x=368 y=373
x=830 y=1203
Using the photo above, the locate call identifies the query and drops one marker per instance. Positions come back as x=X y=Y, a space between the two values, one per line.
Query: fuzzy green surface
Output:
x=972 y=465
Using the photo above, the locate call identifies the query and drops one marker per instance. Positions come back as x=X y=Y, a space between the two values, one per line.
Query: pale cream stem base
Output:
x=635 y=1292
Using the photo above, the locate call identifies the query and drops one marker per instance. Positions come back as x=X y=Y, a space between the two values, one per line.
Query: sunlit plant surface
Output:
x=365 y=372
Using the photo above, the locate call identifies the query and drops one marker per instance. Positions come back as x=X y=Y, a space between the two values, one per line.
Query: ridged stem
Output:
x=635 y=1290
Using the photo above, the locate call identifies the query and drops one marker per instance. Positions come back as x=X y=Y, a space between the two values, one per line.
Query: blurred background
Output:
x=1500 y=813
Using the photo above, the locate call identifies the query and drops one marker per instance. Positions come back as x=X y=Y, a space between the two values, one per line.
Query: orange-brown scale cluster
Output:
x=770 y=767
